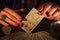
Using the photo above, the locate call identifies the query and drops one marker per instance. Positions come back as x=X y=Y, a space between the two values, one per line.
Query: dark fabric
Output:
x=43 y=35
x=55 y=30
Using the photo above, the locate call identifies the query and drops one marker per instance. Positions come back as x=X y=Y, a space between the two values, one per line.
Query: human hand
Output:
x=11 y=17
x=48 y=10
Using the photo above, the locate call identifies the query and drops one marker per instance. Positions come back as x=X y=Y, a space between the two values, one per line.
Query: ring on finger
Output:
x=3 y=17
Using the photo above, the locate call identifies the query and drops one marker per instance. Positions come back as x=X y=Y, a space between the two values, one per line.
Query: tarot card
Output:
x=31 y=20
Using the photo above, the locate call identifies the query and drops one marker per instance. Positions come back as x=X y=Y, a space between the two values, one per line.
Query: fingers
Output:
x=11 y=22
x=10 y=16
x=4 y=23
x=7 y=20
x=52 y=11
x=47 y=7
x=13 y=13
x=57 y=15
x=13 y=19
x=44 y=8
x=41 y=7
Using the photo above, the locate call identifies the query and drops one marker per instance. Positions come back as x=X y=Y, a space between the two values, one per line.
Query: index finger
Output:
x=47 y=7
x=10 y=11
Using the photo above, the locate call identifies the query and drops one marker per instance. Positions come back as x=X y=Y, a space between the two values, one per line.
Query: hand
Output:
x=49 y=11
x=12 y=18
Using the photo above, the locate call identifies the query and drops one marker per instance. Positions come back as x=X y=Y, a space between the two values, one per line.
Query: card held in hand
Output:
x=31 y=20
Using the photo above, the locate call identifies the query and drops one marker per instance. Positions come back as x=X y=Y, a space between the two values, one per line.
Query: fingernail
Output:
x=40 y=9
x=16 y=25
x=20 y=18
x=7 y=25
x=20 y=23
x=41 y=13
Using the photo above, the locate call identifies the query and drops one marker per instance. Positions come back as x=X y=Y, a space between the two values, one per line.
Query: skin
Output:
x=15 y=19
x=12 y=17
x=53 y=12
